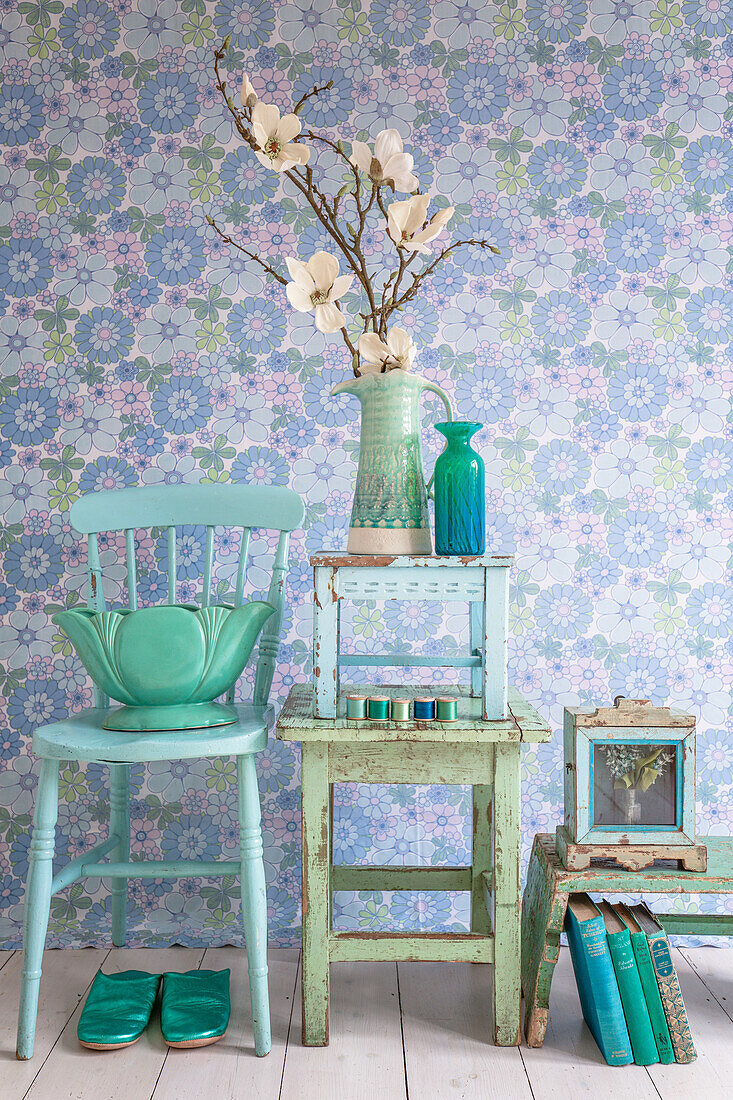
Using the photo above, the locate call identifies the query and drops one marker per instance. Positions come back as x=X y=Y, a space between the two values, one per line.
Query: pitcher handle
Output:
x=446 y=401
x=441 y=394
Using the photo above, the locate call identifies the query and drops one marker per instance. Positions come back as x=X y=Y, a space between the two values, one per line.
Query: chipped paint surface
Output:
x=426 y=561
x=631 y=712
x=545 y=901
x=478 y=582
x=297 y=721
x=627 y=853
x=635 y=721
x=340 y=750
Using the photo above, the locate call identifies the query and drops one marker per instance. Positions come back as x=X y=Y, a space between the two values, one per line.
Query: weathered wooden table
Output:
x=546 y=897
x=472 y=751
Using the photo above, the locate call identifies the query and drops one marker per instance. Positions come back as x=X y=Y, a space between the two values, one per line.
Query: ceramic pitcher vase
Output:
x=390 y=513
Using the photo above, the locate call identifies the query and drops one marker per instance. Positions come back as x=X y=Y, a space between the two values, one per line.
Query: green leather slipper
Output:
x=117 y=1009
x=195 y=1007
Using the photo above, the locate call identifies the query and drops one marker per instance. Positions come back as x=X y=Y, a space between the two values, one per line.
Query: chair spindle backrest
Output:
x=172 y=565
x=244 y=506
x=131 y=568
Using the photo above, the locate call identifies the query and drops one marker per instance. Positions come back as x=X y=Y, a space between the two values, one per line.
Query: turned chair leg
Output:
x=119 y=826
x=254 y=901
x=37 y=902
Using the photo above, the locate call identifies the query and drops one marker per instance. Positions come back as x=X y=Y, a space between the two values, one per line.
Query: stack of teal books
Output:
x=628 y=986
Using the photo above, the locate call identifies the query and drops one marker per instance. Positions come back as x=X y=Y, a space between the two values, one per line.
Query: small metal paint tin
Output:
x=400 y=710
x=356 y=706
x=446 y=708
x=424 y=709
x=378 y=708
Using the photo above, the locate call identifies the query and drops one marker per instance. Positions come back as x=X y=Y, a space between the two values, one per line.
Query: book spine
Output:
x=613 y=1032
x=641 y=1035
x=674 y=1006
x=651 y=996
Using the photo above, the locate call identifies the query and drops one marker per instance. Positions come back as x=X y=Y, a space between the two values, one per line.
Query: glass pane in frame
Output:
x=635 y=785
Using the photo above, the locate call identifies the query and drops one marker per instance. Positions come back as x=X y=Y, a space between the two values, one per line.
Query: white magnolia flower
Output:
x=247 y=94
x=317 y=286
x=274 y=136
x=397 y=353
x=388 y=163
x=407 y=226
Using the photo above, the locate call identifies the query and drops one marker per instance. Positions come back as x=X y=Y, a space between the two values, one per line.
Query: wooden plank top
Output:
x=630 y=712
x=718 y=879
x=408 y=560
x=296 y=721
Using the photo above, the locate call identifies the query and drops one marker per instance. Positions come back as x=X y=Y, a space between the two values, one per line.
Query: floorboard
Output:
x=66 y=977
x=711 y=1075
x=417 y=1030
x=73 y=1073
x=570 y=1065
x=364 y=1059
x=446 y=1022
x=5 y=957
x=714 y=967
x=231 y=1067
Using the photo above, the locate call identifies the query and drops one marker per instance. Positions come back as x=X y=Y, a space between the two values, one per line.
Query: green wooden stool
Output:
x=473 y=750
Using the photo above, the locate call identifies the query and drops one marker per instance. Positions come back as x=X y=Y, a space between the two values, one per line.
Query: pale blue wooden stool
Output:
x=82 y=738
x=481 y=581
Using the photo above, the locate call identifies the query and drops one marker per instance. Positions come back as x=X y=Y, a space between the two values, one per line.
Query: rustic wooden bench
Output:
x=546 y=897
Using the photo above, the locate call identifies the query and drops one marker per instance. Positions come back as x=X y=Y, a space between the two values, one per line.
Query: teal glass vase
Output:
x=460 y=521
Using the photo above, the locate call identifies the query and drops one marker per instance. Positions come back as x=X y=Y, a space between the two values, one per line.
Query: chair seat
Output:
x=81 y=737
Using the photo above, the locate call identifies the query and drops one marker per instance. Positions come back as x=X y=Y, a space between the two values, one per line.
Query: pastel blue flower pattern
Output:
x=586 y=139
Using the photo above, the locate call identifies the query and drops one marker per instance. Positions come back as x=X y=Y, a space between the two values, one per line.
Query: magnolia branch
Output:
x=356 y=234
x=352 y=349
x=252 y=255
x=405 y=262
x=347 y=236
x=304 y=185
x=315 y=90
x=418 y=277
x=244 y=133
x=309 y=195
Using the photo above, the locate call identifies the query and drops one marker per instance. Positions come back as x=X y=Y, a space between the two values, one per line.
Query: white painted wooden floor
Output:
x=417 y=1031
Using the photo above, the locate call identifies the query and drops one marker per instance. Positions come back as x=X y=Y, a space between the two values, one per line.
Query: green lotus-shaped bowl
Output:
x=167 y=663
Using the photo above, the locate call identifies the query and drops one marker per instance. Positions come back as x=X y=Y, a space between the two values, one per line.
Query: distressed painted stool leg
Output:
x=316 y=892
x=543 y=915
x=496 y=635
x=325 y=642
x=119 y=826
x=37 y=902
x=254 y=901
x=476 y=620
x=481 y=861
x=507 y=985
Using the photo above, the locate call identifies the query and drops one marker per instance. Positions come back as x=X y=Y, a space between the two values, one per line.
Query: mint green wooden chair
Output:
x=81 y=737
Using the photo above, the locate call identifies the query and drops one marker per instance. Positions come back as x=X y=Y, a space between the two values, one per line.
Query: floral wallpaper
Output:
x=592 y=141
